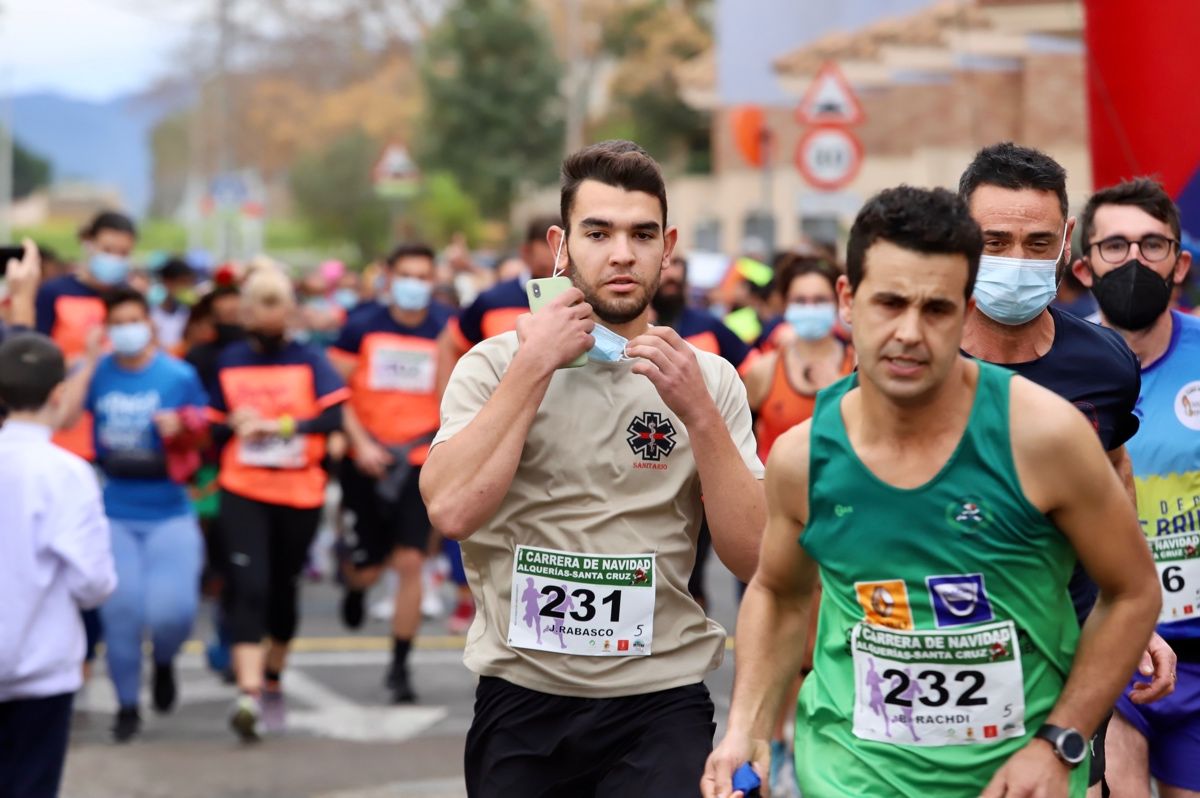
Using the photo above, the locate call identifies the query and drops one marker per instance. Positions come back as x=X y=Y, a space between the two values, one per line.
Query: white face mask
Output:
x=1013 y=291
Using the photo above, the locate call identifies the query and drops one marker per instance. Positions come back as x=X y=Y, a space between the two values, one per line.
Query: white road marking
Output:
x=334 y=715
x=429 y=788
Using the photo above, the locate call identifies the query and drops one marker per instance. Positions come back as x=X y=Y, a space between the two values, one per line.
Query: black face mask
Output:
x=1132 y=296
x=267 y=343
x=228 y=333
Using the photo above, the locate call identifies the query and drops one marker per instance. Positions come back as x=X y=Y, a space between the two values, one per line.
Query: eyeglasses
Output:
x=1153 y=247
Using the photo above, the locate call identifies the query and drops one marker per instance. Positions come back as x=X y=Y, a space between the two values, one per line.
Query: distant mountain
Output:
x=106 y=143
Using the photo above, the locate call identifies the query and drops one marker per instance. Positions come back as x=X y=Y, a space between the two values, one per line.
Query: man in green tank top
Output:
x=948 y=660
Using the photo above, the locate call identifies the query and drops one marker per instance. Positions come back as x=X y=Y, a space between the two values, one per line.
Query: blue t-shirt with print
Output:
x=124 y=403
x=1166 y=472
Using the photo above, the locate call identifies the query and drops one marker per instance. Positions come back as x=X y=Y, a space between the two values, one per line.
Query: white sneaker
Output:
x=432 y=605
x=383 y=609
x=245 y=718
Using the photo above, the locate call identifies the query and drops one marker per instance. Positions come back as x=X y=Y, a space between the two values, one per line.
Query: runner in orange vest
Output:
x=276 y=401
x=388 y=356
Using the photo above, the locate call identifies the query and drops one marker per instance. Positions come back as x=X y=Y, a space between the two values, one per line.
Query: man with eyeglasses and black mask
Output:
x=1132 y=261
x=1018 y=196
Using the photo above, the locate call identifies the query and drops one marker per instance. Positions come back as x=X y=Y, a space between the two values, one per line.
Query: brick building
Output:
x=935 y=86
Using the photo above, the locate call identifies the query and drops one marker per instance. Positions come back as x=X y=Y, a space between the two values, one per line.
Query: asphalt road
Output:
x=344 y=739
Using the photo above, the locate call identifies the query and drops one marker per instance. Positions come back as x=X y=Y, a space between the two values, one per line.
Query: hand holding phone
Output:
x=10 y=252
x=25 y=273
x=543 y=292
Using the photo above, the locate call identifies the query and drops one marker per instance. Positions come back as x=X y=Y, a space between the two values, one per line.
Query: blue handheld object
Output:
x=746 y=780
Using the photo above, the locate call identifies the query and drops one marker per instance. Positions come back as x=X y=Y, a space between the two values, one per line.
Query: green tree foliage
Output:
x=493 y=112
x=443 y=209
x=333 y=191
x=30 y=171
x=651 y=39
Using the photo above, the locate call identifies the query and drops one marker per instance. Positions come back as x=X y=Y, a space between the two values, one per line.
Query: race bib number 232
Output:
x=938 y=687
x=584 y=604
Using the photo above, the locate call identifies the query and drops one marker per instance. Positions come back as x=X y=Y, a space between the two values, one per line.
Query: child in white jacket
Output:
x=55 y=558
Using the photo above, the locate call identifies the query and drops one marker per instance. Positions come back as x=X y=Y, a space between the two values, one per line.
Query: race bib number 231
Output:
x=584 y=604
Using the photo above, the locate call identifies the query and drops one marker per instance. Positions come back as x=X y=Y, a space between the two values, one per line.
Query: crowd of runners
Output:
x=970 y=565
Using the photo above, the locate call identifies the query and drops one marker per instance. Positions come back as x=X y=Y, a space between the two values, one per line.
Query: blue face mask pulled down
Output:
x=129 y=339
x=409 y=293
x=1014 y=291
x=609 y=347
x=810 y=322
x=108 y=269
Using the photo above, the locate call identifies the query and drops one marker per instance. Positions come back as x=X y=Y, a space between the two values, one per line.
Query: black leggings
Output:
x=265 y=548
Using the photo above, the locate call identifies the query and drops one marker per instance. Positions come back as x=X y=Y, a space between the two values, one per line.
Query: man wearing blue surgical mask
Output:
x=388 y=355
x=145 y=403
x=70 y=308
x=1018 y=196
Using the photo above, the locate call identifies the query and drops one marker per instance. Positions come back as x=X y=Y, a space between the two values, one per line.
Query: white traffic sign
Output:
x=829 y=100
x=829 y=157
x=395 y=174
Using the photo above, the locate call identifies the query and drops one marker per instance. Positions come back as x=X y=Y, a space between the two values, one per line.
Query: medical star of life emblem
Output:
x=651 y=436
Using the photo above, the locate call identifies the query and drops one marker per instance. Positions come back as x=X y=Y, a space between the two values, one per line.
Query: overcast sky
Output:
x=90 y=49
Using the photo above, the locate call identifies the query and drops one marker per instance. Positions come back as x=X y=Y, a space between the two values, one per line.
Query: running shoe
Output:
x=464 y=614
x=384 y=608
x=782 y=773
x=352 y=608
x=217 y=655
x=400 y=685
x=126 y=725
x=431 y=583
x=164 y=687
x=247 y=712
x=274 y=711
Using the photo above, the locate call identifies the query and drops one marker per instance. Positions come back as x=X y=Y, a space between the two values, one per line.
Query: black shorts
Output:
x=527 y=743
x=381 y=525
x=1096 y=766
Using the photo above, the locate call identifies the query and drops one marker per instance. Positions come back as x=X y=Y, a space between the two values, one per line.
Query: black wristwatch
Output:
x=1069 y=745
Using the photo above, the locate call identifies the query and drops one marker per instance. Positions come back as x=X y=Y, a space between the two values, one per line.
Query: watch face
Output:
x=1073 y=746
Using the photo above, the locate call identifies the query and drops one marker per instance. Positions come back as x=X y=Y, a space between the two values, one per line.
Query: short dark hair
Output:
x=31 y=365
x=793 y=266
x=1142 y=192
x=108 y=220
x=1009 y=165
x=176 y=268
x=121 y=295
x=934 y=221
x=617 y=163
x=413 y=249
x=538 y=227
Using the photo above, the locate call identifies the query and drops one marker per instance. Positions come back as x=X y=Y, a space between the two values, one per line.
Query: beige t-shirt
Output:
x=607 y=469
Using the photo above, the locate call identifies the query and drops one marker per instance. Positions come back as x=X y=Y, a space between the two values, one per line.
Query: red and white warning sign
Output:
x=829 y=100
x=829 y=157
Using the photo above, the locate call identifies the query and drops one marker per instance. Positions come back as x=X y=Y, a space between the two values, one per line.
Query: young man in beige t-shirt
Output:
x=577 y=495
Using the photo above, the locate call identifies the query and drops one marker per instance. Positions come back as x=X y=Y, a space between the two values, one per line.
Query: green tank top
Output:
x=945 y=631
